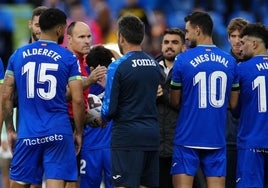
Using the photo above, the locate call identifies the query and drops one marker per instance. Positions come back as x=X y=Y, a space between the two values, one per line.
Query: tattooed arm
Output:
x=7 y=104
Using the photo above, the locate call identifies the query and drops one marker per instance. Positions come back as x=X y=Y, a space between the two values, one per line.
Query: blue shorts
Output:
x=251 y=165
x=133 y=168
x=188 y=160
x=52 y=156
x=95 y=164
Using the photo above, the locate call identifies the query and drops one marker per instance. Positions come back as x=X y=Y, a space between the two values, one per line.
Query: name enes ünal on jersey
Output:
x=208 y=58
x=217 y=58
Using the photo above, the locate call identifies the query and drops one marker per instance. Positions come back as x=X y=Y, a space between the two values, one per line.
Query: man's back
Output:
x=206 y=74
x=132 y=95
x=44 y=68
x=253 y=97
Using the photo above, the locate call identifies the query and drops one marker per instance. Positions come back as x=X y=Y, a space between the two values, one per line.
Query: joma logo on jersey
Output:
x=42 y=140
x=143 y=62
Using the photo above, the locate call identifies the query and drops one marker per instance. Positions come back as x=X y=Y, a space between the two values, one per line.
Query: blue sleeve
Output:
x=75 y=71
x=10 y=67
x=176 y=75
x=1 y=72
x=235 y=85
x=110 y=100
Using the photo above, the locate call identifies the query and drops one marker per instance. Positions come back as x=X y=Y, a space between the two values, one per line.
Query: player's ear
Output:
x=121 y=38
x=198 y=30
x=184 y=48
x=68 y=37
x=255 y=43
x=60 y=29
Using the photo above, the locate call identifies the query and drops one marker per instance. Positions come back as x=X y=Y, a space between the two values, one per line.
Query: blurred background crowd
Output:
x=101 y=15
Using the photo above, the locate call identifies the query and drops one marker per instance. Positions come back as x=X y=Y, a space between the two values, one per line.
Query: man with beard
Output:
x=40 y=72
x=201 y=84
x=252 y=145
x=173 y=43
x=33 y=24
x=35 y=31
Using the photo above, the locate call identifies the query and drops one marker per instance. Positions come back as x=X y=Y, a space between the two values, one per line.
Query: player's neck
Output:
x=205 y=40
x=237 y=55
x=45 y=36
x=131 y=48
x=260 y=51
x=169 y=64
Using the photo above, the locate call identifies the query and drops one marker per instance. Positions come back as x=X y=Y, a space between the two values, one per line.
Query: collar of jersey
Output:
x=207 y=45
x=260 y=55
x=42 y=40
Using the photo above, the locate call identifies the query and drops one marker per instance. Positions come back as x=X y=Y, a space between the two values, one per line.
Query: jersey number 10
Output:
x=216 y=83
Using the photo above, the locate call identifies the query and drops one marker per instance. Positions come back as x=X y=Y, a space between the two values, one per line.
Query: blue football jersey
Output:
x=253 y=81
x=42 y=71
x=2 y=72
x=96 y=137
x=205 y=75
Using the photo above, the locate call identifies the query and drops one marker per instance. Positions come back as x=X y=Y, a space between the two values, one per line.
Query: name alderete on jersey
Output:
x=41 y=51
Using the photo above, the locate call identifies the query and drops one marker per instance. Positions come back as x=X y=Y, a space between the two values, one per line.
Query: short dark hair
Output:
x=257 y=30
x=99 y=55
x=51 y=18
x=175 y=31
x=201 y=19
x=38 y=11
x=131 y=28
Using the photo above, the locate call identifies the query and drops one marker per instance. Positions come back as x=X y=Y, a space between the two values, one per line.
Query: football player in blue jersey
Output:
x=44 y=143
x=252 y=142
x=33 y=25
x=4 y=160
x=130 y=102
x=201 y=84
x=95 y=152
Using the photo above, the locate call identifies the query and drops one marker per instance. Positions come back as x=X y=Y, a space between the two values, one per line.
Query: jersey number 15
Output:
x=42 y=78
